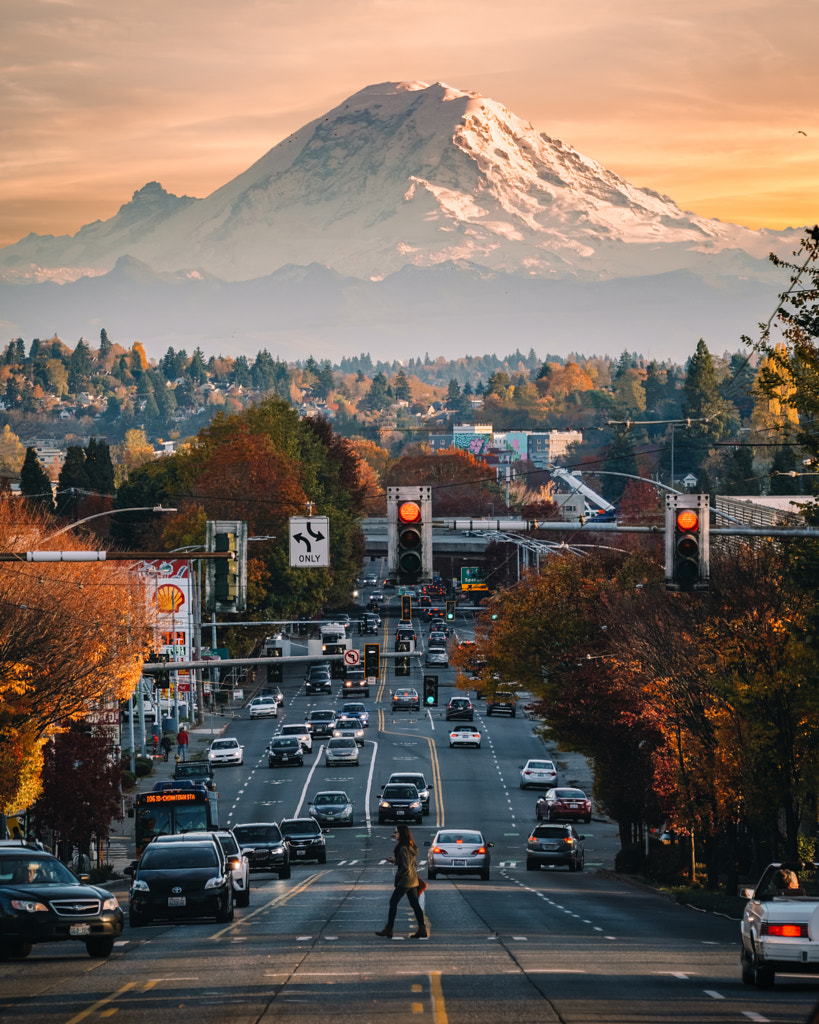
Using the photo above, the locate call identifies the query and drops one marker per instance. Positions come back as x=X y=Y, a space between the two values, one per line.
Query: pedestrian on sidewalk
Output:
x=167 y=745
x=406 y=882
x=182 y=744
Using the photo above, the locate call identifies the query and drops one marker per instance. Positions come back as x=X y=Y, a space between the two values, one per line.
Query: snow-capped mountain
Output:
x=406 y=175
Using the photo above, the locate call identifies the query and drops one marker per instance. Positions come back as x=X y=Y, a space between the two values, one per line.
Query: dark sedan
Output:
x=265 y=847
x=181 y=880
x=400 y=803
x=331 y=807
x=284 y=750
x=41 y=900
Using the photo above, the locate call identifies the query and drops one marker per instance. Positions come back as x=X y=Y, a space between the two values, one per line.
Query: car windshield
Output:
x=322 y=716
x=409 y=780
x=569 y=794
x=257 y=833
x=789 y=880
x=285 y=743
x=460 y=837
x=341 y=741
x=401 y=793
x=325 y=799
x=224 y=744
x=293 y=730
x=299 y=827
x=176 y=855
x=34 y=870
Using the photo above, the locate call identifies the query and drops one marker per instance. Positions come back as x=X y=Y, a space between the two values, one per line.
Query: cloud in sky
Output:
x=705 y=104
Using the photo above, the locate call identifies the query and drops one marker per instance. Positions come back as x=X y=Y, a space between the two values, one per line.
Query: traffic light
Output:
x=431 y=691
x=274 y=671
x=409 y=533
x=406 y=606
x=226 y=582
x=450 y=611
x=687 y=542
x=372 y=660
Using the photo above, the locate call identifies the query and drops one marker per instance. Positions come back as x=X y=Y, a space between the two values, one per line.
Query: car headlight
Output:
x=277 y=849
x=140 y=886
x=416 y=803
x=110 y=904
x=385 y=804
x=215 y=883
x=29 y=906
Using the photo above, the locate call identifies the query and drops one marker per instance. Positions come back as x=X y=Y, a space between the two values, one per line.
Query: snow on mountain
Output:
x=408 y=175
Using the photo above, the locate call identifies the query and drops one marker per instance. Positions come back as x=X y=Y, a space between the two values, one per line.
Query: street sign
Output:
x=309 y=542
x=352 y=657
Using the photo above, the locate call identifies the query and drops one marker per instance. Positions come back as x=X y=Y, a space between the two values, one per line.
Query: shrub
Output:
x=128 y=780
x=144 y=766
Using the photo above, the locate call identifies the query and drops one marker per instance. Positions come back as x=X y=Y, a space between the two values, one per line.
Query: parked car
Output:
x=355 y=681
x=417 y=779
x=406 y=699
x=304 y=838
x=42 y=900
x=180 y=879
x=569 y=804
x=555 y=845
x=284 y=750
x=458 y=852
x=778 y=931
x=321 y=721
x=302 y=734
x=264 y=707
x=264 y=846
x=350 y=727
x=464 y=736
x=355 y=709
x=341 y=750
x=331 y=807
x=400 y=803
x=538 y=773
x=502 y=704
x=226 y=750
x=460 y=708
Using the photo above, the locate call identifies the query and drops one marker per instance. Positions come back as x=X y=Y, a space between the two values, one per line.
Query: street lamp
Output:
x=110 y=512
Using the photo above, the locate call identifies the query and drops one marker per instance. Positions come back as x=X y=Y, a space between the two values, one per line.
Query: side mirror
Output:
x=430 y=786
x=489 y=844
x=748 y=894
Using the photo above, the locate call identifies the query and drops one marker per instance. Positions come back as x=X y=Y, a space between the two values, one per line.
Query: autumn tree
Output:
x=461 y=484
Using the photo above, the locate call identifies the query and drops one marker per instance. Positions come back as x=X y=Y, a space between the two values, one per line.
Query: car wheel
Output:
x=225 y=913
x=431 y=875
x=16 y=950
x=243 y=897
x=748 y=976
x=322 y=857
x=531 y=865
x=380 y=819
x=485 y=874
x=582 y=863
x=285 y=872
x=763 y=975
x=573 y=865
x=99 y=948
x=587 y=819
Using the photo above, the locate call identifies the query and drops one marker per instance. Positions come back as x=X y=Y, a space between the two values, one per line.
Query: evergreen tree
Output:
x=80 y=366
x=105 y=345
x=242 y=376
x=378 y=397
x=738 y=477
x=73 y=483
x=401 y=388
x=197 y=370
x=453 y=393
x=705 y=407
x=99 y=467
x=35 y=484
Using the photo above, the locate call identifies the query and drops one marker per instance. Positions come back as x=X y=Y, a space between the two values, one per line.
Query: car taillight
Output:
x=480 y=849
x=568 y=840
x=437 y=849
x=785 y=931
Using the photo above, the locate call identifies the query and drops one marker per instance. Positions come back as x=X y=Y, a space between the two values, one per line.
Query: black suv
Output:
x=197 y=771
x=318 y=679
x=416 y=779
x=400 y=803
x=305 y=839
x=321 y=722
x=284 y=750
x=460 y=708
x=41 y=900
x=265 y=847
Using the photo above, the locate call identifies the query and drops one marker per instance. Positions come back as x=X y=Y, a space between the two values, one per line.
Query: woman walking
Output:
x=406 y=882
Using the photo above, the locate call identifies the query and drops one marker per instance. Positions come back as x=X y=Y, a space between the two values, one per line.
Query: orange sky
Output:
x=711 y=103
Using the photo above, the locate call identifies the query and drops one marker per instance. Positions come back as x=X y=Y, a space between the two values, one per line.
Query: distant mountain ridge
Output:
x=399 y=176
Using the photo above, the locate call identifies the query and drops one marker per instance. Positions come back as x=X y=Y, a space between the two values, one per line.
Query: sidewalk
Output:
x=121 y=842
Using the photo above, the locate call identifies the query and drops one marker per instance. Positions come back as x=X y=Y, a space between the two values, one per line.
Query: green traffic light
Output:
x=430 y=699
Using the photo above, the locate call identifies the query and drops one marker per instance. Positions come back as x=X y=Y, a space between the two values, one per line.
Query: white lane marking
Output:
x=714 y=995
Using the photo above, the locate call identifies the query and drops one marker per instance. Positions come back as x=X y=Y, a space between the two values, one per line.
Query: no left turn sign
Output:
x=352 y=657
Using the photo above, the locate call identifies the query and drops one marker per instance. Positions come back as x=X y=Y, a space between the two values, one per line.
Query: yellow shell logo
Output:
x=169 y=598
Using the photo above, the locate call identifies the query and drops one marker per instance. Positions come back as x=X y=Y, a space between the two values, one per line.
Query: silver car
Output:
x=341 y=750
x=350 y=727
x=538 y=773
x=459 y=852
x=331 y=807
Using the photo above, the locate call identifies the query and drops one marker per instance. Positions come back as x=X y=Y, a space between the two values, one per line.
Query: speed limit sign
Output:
x=352 y=657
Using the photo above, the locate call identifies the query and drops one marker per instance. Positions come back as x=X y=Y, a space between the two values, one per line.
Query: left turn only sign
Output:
x=310 y=542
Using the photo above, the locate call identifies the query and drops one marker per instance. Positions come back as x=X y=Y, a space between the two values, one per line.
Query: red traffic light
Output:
x=688 y=520
x=409 y=512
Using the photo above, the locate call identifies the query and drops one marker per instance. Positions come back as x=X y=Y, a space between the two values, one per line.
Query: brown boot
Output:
x=386 y=932
x=422 y=933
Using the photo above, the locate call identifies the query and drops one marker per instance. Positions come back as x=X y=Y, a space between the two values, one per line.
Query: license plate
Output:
x=80 y=929
x=459 y=863
x=177 y=901
x=300 y=853
x=399 y=814
x=549 y=846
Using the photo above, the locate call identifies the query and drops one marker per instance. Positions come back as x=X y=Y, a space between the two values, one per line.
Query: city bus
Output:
x=169 y=809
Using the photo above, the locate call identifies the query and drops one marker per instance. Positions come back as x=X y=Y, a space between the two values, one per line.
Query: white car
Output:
x=464 y=736
x=778 y=930
x=226 y=751
x=341 y=750
x=538 y=773
x=264 y=707
x=350 y=727
x=302 y=734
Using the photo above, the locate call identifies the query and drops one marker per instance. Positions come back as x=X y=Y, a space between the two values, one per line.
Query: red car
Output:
x=570 y=804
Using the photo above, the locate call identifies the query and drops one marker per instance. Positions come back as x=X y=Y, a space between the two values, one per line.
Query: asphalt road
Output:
x=580 y=948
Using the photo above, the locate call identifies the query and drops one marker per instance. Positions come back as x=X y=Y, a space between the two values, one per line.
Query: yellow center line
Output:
x=278 y=901
x=436 y=992
x=101 y=1002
